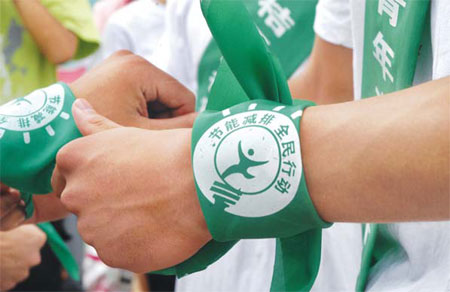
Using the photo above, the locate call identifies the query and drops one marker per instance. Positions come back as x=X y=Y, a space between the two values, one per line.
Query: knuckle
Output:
x=66 y=200
x=85 y=234
x=111 y=261
x=65 y=156
x=23 y=275
x=97 y=121
x=69 y=200
x=35 y=259
x=42 y=238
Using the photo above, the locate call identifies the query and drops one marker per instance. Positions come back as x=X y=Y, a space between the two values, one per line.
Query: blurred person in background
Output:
x=136 y=27
x=36 y=36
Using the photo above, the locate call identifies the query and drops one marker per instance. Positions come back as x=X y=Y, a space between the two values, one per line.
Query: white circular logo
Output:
x=33 y=111
x=249 y=162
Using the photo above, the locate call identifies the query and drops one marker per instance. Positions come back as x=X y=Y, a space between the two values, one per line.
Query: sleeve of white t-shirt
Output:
x=115 y=38
x=440 y=27
x=333 y=22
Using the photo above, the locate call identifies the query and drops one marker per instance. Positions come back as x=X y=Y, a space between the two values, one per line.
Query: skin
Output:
x=145 y=97
x=56 y=43
x=328 y=76
x=11 y=208
x=20 y=250
x=403 y=139
x=319 y=82
x=414 y=136
x=135 y=199
x=384 y=159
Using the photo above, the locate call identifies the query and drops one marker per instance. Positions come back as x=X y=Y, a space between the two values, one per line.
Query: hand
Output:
x=12 y=208
x=126 y=88
x=133 y=192
x=20 y=250
x=12 y=211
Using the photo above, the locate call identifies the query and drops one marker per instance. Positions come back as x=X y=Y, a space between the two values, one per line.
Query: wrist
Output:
x=188 y=184
x=248 y=171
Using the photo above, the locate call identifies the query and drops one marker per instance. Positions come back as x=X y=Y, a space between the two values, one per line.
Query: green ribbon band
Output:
x=32 y=130
x=392 y=39
x=248 y=171
x=250 y=72
x=61 y=250
x=286 y=25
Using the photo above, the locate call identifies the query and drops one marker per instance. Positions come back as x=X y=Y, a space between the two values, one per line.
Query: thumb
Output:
x=88 y=120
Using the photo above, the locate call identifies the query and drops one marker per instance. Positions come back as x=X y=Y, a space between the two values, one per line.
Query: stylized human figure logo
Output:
x=243 y=165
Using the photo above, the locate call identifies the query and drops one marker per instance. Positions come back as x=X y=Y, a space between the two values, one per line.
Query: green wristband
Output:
x=248 y=171
x=32 y=130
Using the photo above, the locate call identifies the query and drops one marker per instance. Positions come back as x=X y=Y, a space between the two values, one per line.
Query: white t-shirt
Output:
x=249 y=265
x=136 y=27
x=427 y=245
x=183 y=42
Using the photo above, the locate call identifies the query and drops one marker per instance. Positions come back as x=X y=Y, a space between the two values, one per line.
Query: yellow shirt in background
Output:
x=23 y=68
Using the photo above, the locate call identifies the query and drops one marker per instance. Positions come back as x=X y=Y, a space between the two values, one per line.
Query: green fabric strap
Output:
x=287 y=27
x=32 y=130
x=61 y=250
x=392 y=39
x=251 y=72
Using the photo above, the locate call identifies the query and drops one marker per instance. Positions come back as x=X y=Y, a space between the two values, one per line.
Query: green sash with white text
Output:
x=392 y=40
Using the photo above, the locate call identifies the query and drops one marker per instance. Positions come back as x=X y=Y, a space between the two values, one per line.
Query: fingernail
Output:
x=83 y=105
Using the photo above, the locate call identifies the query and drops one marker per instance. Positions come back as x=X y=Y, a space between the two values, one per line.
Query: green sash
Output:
x=392 y=38
x=287 y=27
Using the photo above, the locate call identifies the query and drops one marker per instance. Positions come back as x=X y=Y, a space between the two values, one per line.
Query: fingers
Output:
x=12 y=211
x=38 y=236
x=158 y=86
x=58 y=181
x=88 y=120
x=13 y=219
x=8 y=201
x=177 y=97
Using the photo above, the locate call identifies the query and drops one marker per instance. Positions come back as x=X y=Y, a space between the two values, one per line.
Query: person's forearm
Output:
x=384 y=159
x=56 y=43
x=327 y=77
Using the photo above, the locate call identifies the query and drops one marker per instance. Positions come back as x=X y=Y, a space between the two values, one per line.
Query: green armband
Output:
x=248 y=171
x=32 y=130
x=246 y=156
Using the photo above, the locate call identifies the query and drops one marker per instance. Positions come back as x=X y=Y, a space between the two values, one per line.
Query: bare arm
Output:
x=383 y=159
x=328 y=76
x=56 y=42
